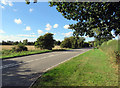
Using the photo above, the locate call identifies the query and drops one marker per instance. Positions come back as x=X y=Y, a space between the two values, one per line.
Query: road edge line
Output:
x=54 y=66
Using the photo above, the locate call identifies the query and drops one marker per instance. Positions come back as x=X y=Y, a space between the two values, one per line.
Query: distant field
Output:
x=8 y=47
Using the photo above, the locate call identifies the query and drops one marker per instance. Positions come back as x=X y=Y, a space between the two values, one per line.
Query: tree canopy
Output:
x=73 y=42
x=95 y=19
x=45 y=42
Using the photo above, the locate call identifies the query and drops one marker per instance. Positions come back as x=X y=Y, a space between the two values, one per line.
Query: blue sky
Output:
x=21 y=21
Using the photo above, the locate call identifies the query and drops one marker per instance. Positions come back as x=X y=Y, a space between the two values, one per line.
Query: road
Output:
x=22 y=71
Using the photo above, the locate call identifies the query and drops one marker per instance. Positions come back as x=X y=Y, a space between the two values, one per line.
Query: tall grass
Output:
x=10 y=53
x=111 y=48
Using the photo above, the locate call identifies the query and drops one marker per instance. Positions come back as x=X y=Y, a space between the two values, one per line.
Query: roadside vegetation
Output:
x=44 y=43
x=10 y=53
x=74 y=42
x=97 y=67
x=112 y=49
x=92 y=68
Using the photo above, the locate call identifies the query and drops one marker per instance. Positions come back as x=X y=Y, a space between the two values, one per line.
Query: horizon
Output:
x=31 y=21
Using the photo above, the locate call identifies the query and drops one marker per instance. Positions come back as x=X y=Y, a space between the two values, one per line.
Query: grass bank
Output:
x=9 y=54
x=89 y=69
x=112 y=49
x=6 y=54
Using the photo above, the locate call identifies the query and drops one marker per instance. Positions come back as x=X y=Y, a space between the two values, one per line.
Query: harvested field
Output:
x=8 y=47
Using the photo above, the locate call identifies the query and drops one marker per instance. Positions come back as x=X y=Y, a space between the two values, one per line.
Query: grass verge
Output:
x=112 y=48
x=9 y=54
x=23 y=53
x=88 y=69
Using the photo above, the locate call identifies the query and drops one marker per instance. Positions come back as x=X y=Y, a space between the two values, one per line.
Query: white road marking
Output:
x=56 y=65
x=11 y=65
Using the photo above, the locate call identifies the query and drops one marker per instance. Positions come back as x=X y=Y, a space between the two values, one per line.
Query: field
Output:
x=92 y=68
x=8 y=53
x=9 y=47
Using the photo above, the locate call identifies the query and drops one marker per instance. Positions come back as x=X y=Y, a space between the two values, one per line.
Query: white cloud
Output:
x=66 y=26
x=67 y=34
x=55 y=26
x=10 y=3
x=28 y=28
x=15 y=38
x=4 y=2
x=2 y=6
x=59 y=40
x=30 y=10
x=40 y=32
x=18 y=21
x=1 y=31
x=24 y=35
x=7 y=2
x=48 y=27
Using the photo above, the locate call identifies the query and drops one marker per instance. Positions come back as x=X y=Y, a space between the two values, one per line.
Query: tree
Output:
x=25 y=42
x=30 y=43
x=45 y=42
x=80 y=41
x=28 y=2
x=85 y=44
x=73 y=42
x=57 y=42
x=66 y=43
x=91 y=17
x=16 y=43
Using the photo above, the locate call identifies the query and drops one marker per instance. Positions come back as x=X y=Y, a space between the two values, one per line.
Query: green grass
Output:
x=110 y=47
x=89 y=69
x=6 y=54
x=9 y=54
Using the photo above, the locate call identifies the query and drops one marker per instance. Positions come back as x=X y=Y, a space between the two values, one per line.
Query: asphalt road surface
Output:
x=23 y=71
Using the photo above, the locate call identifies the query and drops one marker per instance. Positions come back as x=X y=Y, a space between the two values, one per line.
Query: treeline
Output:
x=25 y=42
x=73 y=42
x=47 y=42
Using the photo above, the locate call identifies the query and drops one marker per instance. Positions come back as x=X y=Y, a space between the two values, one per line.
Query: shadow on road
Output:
x=17 y=76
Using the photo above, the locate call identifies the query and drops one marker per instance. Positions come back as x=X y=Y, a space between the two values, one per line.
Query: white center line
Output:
x=11 y=65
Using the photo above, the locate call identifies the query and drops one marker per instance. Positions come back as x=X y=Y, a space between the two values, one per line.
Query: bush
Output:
x=20 y=47
x=45 y=42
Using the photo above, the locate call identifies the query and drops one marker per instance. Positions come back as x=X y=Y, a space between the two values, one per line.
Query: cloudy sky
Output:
x=21 y=21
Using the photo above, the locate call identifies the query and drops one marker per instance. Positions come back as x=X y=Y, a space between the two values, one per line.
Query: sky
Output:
x=21 y=21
